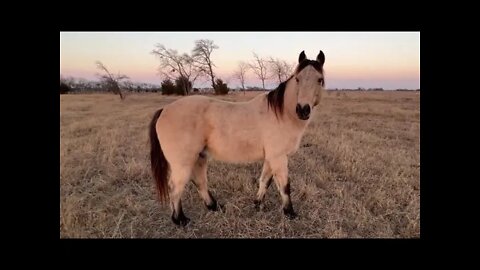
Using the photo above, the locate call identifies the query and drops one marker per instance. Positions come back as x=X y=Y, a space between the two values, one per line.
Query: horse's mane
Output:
x=276 y=97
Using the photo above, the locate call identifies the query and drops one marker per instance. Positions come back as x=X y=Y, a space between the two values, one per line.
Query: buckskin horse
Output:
x=269 y=127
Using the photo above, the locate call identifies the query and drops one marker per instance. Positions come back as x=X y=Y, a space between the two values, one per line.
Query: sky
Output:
x=389 y=60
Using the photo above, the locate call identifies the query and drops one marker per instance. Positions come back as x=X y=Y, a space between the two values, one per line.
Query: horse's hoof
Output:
x=257 y=204
x=289 y=213
x=182 y=220
x=215 y=206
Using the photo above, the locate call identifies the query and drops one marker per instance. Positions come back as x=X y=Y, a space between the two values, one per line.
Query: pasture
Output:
x=356 y=174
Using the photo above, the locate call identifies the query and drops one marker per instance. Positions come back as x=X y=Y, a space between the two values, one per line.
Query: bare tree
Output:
x=259 y=67
x=201 y=55
x=288 y=68
x=110 y=81
x=277 y=68
x=280 y=69
x=241 y=73
x=129 y=85
x=172 y=63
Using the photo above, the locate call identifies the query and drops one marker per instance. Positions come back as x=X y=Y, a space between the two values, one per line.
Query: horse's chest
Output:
x=292 y=144
x=285 y=144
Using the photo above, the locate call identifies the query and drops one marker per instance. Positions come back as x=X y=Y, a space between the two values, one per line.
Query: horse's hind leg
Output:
x=178 y=179
x=200 y=181
x=263 y=183
x=280 y=175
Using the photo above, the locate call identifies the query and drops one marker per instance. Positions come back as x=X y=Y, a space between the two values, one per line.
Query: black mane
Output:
x=275 y=97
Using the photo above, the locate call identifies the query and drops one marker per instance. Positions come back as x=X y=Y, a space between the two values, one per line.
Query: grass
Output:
x=356 y=174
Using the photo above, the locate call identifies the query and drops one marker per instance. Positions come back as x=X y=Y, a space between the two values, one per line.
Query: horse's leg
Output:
x=264 y=182
x=200 y=181
x=178 y=179
x=280 y=175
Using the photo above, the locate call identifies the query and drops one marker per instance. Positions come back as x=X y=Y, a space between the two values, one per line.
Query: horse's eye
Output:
x=320 y=80
x=296 y=79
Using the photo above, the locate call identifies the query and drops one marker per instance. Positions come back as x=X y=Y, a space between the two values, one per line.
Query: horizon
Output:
x=388 y=60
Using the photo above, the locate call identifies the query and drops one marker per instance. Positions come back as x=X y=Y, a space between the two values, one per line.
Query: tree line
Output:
x=180 y=71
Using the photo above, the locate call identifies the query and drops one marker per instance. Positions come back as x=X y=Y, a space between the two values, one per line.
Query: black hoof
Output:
x=257 y=204
x=289 y=213
x=213 y=206
x=182 y=220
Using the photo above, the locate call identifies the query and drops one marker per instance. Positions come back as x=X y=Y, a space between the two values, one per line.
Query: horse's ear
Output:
x=302 y=57
x=321 y=58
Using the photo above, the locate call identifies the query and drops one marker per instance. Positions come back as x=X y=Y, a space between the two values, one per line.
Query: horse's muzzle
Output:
x=303 y=112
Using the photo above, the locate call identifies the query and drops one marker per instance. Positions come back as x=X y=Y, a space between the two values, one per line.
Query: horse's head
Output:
x=309 y=83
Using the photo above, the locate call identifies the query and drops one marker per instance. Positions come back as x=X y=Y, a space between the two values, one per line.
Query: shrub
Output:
x=168 y=88
x=64 y=88
x=221 y=88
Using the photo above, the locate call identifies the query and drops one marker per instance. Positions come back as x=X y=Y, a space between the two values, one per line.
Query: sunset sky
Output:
x=353 y=59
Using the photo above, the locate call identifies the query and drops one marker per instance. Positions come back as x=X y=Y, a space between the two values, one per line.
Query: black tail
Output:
x=159 y=164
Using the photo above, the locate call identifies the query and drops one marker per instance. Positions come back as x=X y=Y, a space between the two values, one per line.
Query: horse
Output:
x=269 y=127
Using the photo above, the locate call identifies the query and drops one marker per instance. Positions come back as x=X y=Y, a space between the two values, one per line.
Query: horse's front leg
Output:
x=263 y=183
x=279 y=168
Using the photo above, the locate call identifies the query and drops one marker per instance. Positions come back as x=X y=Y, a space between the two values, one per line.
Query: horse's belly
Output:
x=236 y=152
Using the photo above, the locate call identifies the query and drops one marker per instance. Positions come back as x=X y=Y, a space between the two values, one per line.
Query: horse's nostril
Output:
x=306 y=109
x=298 y=109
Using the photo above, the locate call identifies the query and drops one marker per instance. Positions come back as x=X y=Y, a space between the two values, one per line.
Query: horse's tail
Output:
x=159 y=164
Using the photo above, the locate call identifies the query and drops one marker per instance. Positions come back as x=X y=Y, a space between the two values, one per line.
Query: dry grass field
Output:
x=356 y=174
